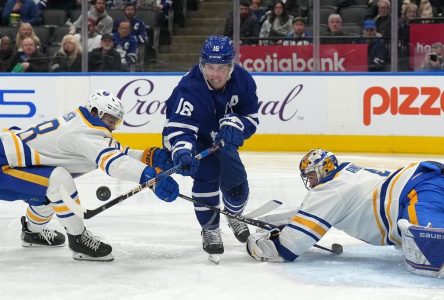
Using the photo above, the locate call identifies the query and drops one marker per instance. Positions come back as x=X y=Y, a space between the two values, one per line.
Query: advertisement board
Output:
x=422 y=37
x=334 y=58
x=348 y=112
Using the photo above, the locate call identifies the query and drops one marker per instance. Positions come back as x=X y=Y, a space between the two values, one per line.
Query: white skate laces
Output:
x=212 y=236
x=48 y=235
x=89 y=240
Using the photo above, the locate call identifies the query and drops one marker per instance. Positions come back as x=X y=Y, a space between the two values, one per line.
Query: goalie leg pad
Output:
x=261 y=248
x=423 y=249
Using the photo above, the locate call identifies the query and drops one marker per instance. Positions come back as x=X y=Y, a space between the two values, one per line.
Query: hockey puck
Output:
x=103 y=193
x=337 y=249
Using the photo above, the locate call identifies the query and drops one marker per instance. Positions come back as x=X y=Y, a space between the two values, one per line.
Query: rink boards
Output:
x=354 y=112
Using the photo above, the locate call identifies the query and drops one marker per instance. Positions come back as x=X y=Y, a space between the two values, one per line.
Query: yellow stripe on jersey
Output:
x=18 y=151
x=36 y=158
x=107 y=157
x=310 y=224
x=389 y=203
x=375 y=213
x=37 y=179
x=35 y=218
x=89 y=124
x=411 y=209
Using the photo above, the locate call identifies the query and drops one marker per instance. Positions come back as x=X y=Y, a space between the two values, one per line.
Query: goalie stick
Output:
x=274 y=231
x=89 y=213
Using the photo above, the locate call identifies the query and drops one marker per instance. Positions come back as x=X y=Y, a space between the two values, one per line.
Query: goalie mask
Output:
x=315 y=166
x=106 y=103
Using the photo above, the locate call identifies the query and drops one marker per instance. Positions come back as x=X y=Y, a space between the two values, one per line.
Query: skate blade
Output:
x=81 y=256
x=214 y=258
x=34 y=245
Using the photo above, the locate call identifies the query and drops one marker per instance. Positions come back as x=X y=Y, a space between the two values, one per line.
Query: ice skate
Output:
x=45 y=238
x=85 y=246
x=240 y=229
x=212 y=244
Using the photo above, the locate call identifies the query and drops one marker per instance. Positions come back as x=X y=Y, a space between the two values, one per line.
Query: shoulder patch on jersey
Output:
x=69 y=116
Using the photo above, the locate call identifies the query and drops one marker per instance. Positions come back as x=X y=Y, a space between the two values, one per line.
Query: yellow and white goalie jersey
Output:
x=76 y=141
x=364 y=203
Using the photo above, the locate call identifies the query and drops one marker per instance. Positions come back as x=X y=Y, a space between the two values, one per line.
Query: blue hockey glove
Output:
x=158 y=158
x=185 y=158
x=231 y=131
x=165 y=189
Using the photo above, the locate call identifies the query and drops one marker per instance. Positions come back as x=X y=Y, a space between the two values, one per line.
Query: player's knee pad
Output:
x=423 y=249
x=236 y=198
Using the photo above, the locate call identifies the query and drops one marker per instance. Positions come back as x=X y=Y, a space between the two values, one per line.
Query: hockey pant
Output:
x=224 y=171
x=39 y=187
x=425 y=203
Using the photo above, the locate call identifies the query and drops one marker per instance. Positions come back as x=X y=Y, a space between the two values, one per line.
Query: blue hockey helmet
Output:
x=317 y=164
x=217 y=50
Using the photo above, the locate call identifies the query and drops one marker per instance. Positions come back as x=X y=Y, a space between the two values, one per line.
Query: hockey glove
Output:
x=261 y=248
x=165 y=189
x=185 y=158
x=157 y=158
x=231 y=132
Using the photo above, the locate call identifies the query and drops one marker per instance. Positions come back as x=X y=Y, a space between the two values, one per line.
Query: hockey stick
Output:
x=264 y=209
x=89 y=213
x=274 y=231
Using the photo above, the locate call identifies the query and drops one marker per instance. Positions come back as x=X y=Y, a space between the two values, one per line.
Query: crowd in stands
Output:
x=45 y=35
x=290 y=22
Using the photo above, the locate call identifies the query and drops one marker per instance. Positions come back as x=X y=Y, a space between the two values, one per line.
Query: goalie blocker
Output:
x=423 y=249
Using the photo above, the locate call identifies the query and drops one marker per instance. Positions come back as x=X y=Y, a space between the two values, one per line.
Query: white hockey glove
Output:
x=261 y=248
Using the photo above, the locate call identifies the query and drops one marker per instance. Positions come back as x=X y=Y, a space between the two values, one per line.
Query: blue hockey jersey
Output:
x=194 y=109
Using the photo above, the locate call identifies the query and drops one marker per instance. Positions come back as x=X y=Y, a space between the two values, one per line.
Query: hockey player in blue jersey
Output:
x=405 y=207
x=39 y=162
x=216 y=100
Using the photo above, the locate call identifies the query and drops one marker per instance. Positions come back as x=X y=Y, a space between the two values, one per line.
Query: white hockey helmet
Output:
x=106 y=103
x=319 y=161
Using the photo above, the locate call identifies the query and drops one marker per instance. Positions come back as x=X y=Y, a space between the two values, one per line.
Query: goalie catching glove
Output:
x=231 y=132
x=261 y=248
x=165 y=189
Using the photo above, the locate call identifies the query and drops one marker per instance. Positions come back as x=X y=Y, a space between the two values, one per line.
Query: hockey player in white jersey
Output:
x=37 y=162
x=405 y=207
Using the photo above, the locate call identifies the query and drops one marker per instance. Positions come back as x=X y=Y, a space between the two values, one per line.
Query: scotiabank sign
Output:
x=334 y=58
x=422 y=36
x=402 y=100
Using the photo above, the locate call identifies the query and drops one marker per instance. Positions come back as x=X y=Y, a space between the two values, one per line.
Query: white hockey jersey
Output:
x=76 y=141
x=364 y=203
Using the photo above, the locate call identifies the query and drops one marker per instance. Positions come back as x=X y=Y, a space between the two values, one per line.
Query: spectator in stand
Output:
x=335 y=31
x=298 y=36
x=25 y=30
x=93 y=37
x=409 y=11
x=41 y=4
x=26 y=10
x=425 y=9
x=258 y=10
x=97 y=12
x=278 y=24
x=105 y=58
x=249 y=26
x=69 y=57
x=6 y=52
x=376 y=47
x=383 y=18
x=163 y=6
x=30 y=60
x=126 y=44
x=138 y=29
x=434 y=61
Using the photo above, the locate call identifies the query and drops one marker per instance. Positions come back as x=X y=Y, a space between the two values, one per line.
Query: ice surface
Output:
x=158 y=252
